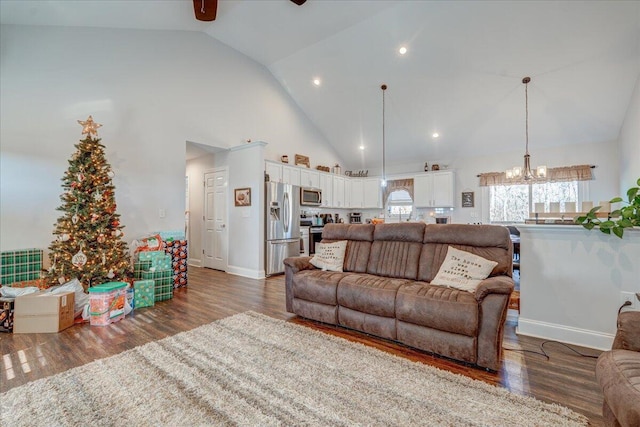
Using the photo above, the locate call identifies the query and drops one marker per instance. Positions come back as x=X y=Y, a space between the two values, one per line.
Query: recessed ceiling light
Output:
x=316 y=82
x=435 y=134
x=402 y=50
x=361 y=147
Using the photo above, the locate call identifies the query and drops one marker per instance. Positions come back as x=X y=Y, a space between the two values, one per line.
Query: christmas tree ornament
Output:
x=116 y=233
x=97 y=196
x=101 y=238
x=61 y=280
x=79 y=259
x=89 y=127
x=111 y=174
x=75 y=218
x=115 y=223
x=80 y=177
x=104 y=259
x=64 y=237
x=111 y=274
x=94 y=218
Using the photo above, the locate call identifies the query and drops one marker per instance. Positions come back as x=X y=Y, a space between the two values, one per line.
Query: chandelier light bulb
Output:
x=435 y=134
x=402 y=50
x=316 y=82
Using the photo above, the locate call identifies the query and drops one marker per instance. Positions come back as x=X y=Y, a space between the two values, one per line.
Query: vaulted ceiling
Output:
x=461 y=75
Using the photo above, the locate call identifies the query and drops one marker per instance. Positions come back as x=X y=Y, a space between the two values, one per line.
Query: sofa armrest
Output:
x=628 y=333
x=292 y=266
x=494 y=285
x=298 y=264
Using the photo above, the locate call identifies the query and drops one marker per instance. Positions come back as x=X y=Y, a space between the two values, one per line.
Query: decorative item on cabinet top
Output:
x=323 y=168
x=302 y=160
x=284 y=159
x=357 y=174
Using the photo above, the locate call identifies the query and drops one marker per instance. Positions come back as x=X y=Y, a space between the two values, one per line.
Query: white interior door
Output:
x=215 y=220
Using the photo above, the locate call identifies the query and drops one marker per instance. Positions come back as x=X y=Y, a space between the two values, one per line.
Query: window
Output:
x=399 y=205
x=513 y=203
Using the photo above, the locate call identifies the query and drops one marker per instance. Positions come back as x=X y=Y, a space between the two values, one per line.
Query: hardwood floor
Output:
x=566 y=378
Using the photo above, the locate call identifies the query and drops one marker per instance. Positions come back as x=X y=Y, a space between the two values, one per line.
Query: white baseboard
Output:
x=246 y=272
x=565 y=334
x=195 y=262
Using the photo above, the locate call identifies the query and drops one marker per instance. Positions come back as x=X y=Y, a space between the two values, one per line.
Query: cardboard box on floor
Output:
x=43 y=312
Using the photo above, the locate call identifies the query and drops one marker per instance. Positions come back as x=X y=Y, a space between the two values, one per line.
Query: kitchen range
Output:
x=311 y=226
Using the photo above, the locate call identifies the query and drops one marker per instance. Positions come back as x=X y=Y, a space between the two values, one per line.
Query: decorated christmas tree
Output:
x=88 y=243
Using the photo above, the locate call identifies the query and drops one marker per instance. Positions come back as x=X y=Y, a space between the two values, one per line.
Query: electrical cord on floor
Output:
x=544 y=353
x=520 y=350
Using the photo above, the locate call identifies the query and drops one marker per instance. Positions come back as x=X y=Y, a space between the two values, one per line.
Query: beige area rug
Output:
x=252 y=370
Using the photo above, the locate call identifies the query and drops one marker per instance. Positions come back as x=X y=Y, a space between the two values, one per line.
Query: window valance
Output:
x=560 y=174
x=397 y=184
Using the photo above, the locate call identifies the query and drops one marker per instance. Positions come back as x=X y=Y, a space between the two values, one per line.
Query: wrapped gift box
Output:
x=144 y=293
x=6 y=314
x=150 y=255
x=161 y=262
x=140 y=267
x=177 y=249
x=163 y=283
x=20 y=265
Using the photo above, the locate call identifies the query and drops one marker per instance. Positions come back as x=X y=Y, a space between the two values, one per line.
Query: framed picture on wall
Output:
x=242 y=196
x=467 y=199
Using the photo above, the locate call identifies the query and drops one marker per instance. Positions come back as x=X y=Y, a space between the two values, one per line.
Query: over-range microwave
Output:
x=310 y=196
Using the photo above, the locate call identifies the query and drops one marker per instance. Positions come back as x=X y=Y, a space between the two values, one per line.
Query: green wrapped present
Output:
x=163 y=283
x=20 y=265
x=149 y=255
x=140 y=267
x=161 y=263
x=144 y=293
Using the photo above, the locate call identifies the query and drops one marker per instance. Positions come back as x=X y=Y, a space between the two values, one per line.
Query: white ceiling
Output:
x=461 y=76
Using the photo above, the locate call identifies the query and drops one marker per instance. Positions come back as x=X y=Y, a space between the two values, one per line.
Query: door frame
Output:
x=224 y=169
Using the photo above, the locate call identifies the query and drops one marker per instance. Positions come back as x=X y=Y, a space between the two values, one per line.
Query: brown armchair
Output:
x=618 y=373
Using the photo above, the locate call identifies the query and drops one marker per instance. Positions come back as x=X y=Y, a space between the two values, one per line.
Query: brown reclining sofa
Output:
x=384 y=289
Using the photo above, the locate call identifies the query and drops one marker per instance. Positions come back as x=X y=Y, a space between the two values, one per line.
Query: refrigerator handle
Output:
x=285 y=212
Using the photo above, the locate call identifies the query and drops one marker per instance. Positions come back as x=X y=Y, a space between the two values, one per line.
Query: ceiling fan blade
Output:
x=205 y=9
x=299 y=2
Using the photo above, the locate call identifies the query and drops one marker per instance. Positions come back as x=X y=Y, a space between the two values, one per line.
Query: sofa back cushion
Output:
x=491 y=242
x=359 y=238
x=395 y=251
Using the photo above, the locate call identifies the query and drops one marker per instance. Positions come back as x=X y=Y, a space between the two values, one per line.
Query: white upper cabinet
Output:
x=434 y=190
x=357 y=193
x=326 y=185
x=309 y=178
x=372 y=194
x=338 y=192
x=291 y=175
x=274 y=170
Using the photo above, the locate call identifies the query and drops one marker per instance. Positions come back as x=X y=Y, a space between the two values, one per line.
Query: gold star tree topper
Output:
x=89 y=126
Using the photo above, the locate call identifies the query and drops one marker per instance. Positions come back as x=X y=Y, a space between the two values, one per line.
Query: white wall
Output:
x=246 y=223
x=152 y=91
x=630 y=144
x=571 y=282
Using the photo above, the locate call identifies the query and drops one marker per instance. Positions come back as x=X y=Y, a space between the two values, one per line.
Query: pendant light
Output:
x=517 y=173
x=384 y=174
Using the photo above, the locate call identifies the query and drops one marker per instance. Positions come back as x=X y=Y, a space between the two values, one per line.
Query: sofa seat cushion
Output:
x=317 y=286
x=438 y=307
x=618 y=372
x=369 y=294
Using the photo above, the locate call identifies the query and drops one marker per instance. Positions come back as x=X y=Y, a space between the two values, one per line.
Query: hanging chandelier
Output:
x=384 y=175
x=526 y=174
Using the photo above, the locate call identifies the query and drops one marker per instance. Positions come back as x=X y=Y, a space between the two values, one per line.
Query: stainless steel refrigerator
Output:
x=282 y=203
